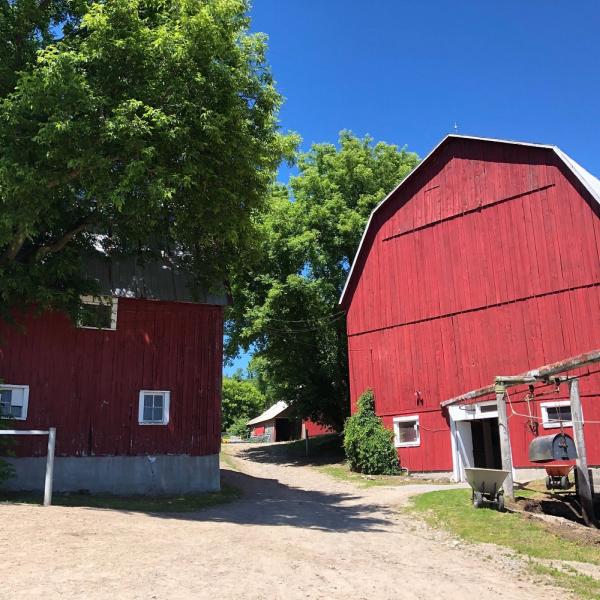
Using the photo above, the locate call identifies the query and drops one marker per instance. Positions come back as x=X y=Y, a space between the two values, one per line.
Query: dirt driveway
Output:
x=295 y=534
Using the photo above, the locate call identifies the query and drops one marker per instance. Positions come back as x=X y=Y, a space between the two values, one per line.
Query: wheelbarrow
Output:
x=487 y=486
x=558 y=477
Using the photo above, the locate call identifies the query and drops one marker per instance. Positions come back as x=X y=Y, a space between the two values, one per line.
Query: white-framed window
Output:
x=154 y=407
x=100 y=312
x=14 y=401
x=406 y=431
x=555 y=413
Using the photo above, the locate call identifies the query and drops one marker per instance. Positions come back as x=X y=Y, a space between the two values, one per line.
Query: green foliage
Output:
x=239 y=428
x=368 y=444
x=144 y=126
x=241 y=401
x=285 y=306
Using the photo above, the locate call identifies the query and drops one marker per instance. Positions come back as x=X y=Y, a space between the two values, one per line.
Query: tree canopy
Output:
x=241 y=400
x=143 y=126
x=285 y=307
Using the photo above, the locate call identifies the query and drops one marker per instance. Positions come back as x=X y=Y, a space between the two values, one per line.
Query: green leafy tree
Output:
x=241 y=400
x=285 y=308
x=369 y=446
x=139 y=125
x=239 y=428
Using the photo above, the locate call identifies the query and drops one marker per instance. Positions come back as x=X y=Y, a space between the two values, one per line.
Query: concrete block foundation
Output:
x=123 y=475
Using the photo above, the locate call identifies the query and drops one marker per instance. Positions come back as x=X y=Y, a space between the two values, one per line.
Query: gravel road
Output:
x=296 y=533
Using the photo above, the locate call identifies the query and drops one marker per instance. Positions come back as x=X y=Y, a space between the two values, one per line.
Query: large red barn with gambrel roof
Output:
x=484 y=261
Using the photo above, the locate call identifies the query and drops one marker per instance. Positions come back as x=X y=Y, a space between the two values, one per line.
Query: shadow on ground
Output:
x=271 y=503
x=322 y=450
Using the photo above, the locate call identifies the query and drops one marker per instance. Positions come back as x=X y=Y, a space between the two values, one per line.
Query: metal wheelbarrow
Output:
x=558 y=477
x=487 y=486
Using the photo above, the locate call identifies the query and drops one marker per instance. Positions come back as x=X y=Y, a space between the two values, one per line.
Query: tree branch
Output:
x=13 y=249
x=59 y=244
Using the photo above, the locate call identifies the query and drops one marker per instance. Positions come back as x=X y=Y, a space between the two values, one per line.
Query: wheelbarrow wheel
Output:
x=500 y=502
x=478 y=500
x=564 y=482
x=548 y=483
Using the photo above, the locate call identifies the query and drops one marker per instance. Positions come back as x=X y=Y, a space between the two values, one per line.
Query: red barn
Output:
x=484 y=261
x=135 y=399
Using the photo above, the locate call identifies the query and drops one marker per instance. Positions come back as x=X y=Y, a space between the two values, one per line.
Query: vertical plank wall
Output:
x=86 y=383
x=486 y=262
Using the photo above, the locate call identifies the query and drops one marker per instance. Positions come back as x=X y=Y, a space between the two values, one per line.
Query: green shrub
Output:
x=239 y=428
x=368 y=444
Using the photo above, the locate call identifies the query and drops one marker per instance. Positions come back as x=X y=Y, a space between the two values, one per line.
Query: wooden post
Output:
x=581 y=471
x=306 y=440
x=49 y=466
x=505 y=441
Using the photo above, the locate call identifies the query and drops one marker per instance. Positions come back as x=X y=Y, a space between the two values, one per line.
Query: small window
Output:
x=154 y=407
x=14 y=400
x=556 y=413
x=406 y=431
x=99 y=313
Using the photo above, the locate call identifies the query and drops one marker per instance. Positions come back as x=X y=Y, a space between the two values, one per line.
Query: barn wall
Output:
x=86 y=382
x=487 y=263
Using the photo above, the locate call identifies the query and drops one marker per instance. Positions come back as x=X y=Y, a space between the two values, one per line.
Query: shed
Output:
x=485 y=260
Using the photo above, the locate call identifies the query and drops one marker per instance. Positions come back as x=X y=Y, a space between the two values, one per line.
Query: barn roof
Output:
x=127 y=277
x=591 y=183
x=270 y=413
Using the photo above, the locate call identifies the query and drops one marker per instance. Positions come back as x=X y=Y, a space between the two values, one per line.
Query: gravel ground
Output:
x=296 y=533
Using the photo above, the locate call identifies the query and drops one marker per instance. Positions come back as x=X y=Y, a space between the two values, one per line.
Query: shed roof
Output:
x=591 y=183
x=271 y=413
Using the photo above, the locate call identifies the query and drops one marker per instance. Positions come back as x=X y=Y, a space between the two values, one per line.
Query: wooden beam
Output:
x=533 y=376
x=582 y=473
x=505 y=449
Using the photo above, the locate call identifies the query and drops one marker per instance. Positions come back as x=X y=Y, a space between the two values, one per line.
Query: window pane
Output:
x=158 y=400
x=96 y=315
x=147 y=413
x=407 y=432
x=559 y=413
x=148 y=400
x=158 y=414
x=16 y=411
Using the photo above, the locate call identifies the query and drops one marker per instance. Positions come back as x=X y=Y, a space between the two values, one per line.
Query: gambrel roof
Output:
x=591 y=183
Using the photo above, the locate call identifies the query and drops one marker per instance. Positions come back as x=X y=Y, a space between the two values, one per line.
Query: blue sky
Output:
x=405 y=72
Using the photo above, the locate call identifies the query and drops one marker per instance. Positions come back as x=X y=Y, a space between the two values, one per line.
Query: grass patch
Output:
x=151 y=504
x=225 y=458
x=452 y=510
x=342 y=472
x=584 y=586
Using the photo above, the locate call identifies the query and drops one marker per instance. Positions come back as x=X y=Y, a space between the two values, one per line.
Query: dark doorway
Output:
x=486 y=444
x=283 y=430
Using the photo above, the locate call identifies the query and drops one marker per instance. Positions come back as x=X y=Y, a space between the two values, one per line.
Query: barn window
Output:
x=406 y=431
x=555 y=413
x=154 y=407
x=14 y=400
x=98 y=313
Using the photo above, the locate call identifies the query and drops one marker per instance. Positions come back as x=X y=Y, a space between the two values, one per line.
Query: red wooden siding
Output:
x=314 y=429
x=486 y=263
x=86 y=382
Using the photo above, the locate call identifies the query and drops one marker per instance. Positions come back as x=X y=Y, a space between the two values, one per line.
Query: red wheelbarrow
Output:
x=558 y=477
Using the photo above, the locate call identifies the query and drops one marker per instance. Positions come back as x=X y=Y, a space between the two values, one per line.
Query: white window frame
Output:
x=102 y=301
x=25 y=405
x=166 y=405
x=406 y=419
x=546 y=419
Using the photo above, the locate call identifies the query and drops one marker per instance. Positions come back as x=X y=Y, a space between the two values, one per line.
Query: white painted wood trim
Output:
x=25 y=405
x=547 y=423
x=166 y=407
x=407 y=419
